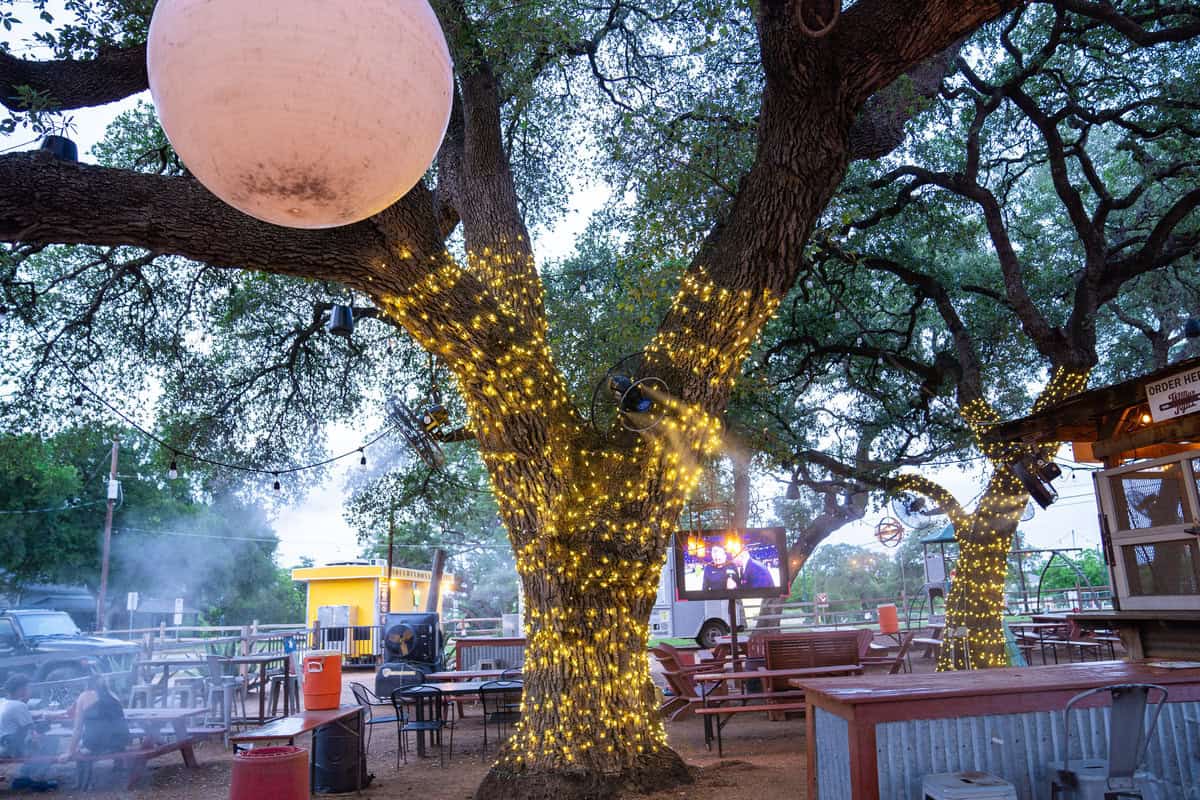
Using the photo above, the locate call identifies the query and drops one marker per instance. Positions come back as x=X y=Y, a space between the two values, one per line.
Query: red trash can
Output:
x=279 y=773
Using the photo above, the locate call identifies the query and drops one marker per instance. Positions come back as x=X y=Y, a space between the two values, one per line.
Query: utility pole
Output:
x=387 y=609
x=113 y=491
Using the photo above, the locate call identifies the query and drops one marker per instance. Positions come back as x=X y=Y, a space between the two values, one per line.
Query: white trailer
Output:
x=703 y=620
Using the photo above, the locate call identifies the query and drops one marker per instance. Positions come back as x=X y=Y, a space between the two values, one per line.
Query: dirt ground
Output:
x=763 y=760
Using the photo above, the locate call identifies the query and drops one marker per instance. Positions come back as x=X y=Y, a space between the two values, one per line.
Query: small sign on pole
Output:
x=178 y=620
x=131 y=601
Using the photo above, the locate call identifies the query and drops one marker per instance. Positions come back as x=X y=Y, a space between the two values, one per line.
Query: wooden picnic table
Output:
x=286 y=729
x=852 y=721
x=791 y=674
x=167 y=663
x=1040 y=629
x=262 y=660
x=154 y=720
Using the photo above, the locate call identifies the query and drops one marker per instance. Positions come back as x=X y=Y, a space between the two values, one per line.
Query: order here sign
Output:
x=1174 y=396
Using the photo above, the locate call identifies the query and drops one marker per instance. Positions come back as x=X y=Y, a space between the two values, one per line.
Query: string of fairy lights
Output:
x=177 y=453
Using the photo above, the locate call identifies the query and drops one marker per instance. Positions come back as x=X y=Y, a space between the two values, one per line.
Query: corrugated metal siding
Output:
x=833 y=756
x=1018 y=747
x=505 y=656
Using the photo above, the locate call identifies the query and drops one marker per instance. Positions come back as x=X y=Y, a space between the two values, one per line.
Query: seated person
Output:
x=20 y=739
x=100 y=725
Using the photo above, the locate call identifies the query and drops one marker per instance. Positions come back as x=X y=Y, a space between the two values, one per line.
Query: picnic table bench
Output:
x=772 y=701
x=147 y=723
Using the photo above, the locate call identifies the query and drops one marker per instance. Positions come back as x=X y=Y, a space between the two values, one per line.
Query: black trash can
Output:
x=337 y=754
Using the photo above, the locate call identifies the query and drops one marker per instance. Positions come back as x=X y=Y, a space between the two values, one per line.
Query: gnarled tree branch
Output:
x=110 y=76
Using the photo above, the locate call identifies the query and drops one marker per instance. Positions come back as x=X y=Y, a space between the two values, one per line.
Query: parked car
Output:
x=48 y=647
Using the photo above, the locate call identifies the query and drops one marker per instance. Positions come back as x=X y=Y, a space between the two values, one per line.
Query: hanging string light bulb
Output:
x=276 y=487
x=362 y=461
x=173 y=469
x=78 y=404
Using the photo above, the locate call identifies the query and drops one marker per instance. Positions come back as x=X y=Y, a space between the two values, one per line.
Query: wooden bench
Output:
x=775 y=702
x=134 y=759
x=790 y=700
x=810 y=650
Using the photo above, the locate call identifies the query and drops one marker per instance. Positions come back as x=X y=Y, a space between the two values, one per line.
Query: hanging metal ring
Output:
x=817 y=18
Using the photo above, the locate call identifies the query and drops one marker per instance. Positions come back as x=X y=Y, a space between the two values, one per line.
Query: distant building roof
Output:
x=51 y=597
x=944 y=536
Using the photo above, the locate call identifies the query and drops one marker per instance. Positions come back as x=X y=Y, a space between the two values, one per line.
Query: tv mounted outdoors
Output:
x=731 y=563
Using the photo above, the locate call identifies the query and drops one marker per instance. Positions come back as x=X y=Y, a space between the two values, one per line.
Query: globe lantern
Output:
x=301 y=112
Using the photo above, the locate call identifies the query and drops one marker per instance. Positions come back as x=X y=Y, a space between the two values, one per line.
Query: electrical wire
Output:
x=178 y=453
x=52 y=509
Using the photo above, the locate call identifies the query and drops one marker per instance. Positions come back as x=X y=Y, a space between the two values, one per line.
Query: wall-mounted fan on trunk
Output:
x=916 y=510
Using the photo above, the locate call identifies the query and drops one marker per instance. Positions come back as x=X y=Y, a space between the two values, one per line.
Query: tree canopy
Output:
x=727 y=129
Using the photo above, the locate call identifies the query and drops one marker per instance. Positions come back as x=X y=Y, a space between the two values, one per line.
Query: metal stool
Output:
x=967 y=786
x=142 y=695
x=293 y=692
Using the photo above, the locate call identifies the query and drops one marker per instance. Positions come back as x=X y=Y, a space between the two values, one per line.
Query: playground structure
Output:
x=939 y=552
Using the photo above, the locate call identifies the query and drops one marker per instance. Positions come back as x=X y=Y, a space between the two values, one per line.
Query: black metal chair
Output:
x=428 y=716
x=513 y=674
x=501 y=701
x=371 y=701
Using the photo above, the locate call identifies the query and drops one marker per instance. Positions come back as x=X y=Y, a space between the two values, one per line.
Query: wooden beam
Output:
x=1164 y=433
x=1083 y=412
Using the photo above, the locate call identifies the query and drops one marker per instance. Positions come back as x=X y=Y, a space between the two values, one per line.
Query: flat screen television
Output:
x=731 y=563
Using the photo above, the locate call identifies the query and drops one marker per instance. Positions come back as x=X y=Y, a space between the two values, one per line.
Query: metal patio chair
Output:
x=1113 y=778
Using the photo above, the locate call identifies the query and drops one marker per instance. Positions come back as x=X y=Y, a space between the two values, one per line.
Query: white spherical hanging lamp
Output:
x=303 y=113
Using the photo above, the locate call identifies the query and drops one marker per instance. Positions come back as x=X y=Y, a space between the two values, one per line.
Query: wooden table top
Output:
x=798 y=672
x=256 y=658
x=293 y=726
x=178 y=661
x=471 y=675
x=161 y=714
x=463 y=687
x=871 y=689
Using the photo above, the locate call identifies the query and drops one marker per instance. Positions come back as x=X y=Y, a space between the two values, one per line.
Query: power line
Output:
x=177 y=452
x=52 y=509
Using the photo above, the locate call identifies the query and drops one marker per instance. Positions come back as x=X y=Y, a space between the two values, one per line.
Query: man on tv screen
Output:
x=719 y=572
x=751 y=573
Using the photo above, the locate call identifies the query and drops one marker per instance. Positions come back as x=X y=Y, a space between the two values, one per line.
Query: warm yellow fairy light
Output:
x=976 y=601
x=576 y=506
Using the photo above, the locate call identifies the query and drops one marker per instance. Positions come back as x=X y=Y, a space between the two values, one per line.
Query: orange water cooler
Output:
x=322 y=679
x=889 y=619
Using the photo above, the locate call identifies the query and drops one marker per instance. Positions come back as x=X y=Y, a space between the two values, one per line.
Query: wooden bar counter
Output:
x=877 y=736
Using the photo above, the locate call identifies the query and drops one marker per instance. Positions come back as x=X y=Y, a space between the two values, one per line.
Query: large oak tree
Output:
x=588 y=512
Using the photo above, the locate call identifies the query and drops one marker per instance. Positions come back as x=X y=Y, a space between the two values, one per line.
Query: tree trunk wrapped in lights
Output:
x=974 y=634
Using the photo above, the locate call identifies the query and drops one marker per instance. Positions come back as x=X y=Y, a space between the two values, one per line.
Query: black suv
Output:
x=47 y=646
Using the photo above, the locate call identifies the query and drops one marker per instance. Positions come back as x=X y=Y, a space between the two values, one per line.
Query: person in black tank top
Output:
x=100 y=725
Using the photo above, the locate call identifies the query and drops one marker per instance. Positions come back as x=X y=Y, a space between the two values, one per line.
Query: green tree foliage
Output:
x=216 y=552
